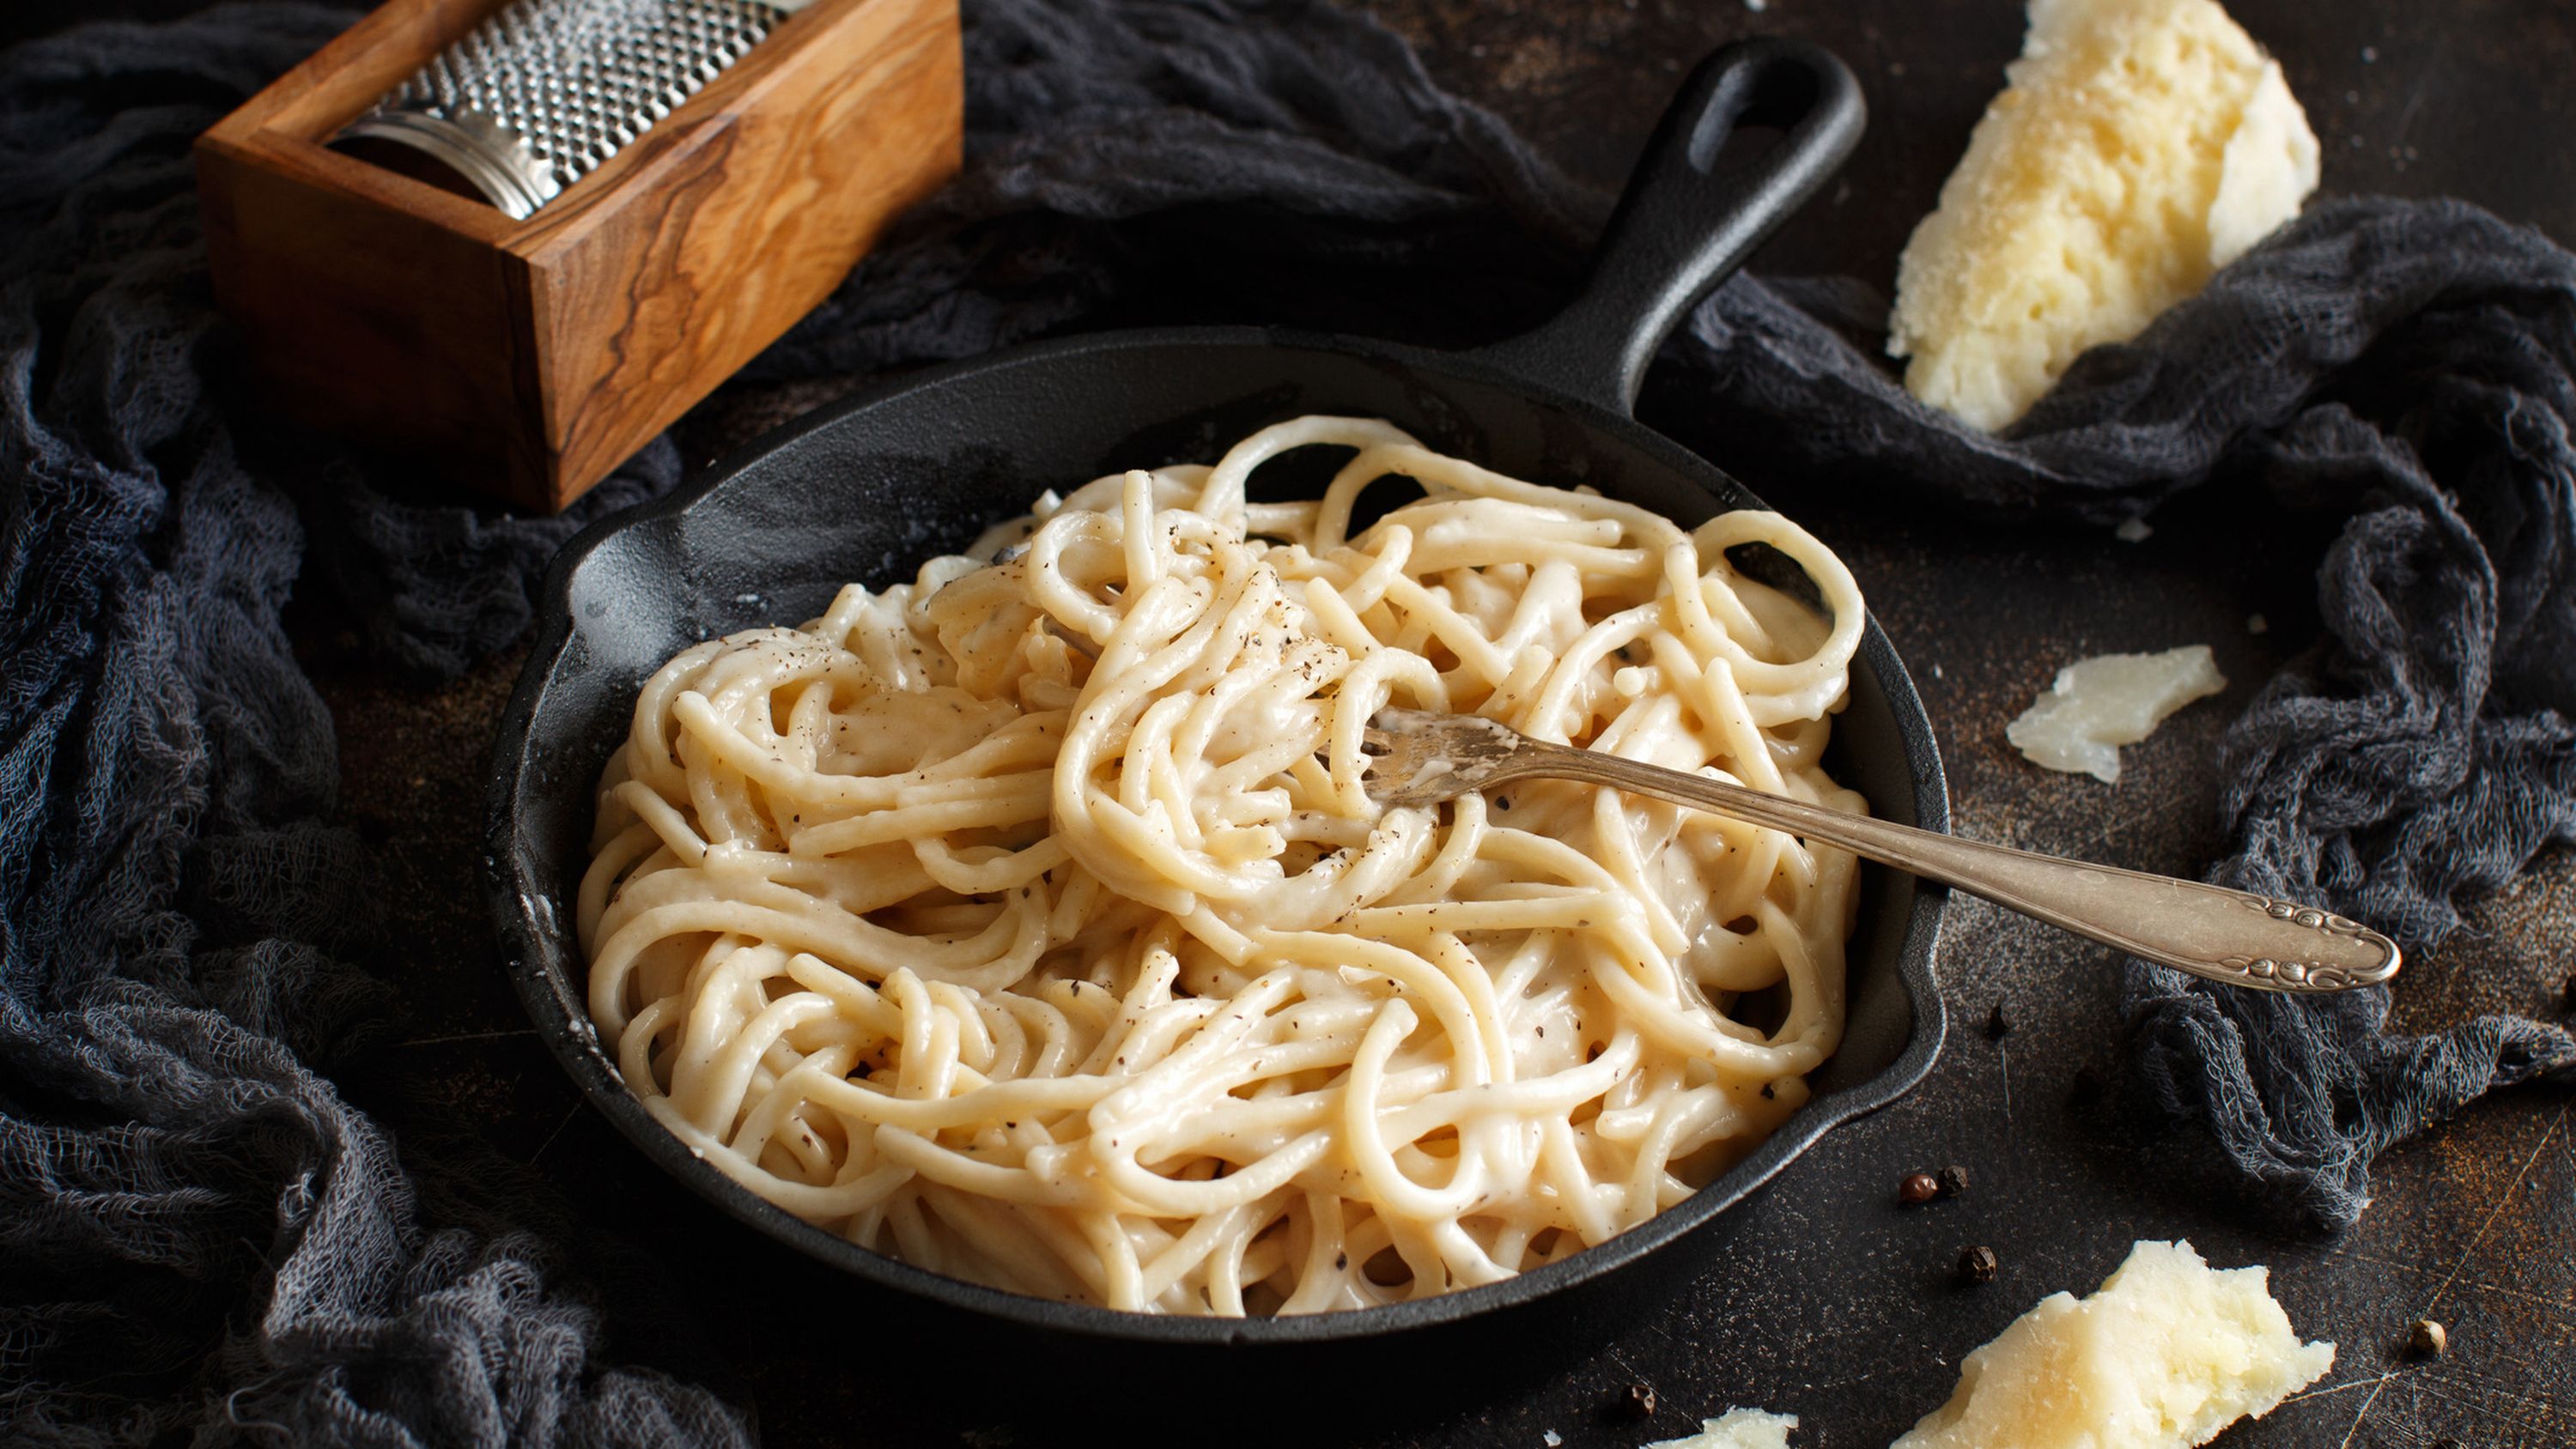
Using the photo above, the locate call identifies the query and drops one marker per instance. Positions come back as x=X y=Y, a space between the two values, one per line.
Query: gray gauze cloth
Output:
x=200 y=1237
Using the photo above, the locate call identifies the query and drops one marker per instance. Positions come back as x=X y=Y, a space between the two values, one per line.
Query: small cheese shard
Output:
x=2098 y=705
x=2140 y=146
x=1737 y=1429
x=2167 y=1354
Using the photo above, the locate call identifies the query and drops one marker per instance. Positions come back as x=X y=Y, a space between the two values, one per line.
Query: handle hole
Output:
x=1749 y=113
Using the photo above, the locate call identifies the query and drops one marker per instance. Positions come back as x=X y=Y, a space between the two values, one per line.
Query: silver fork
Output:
x=2242 y=939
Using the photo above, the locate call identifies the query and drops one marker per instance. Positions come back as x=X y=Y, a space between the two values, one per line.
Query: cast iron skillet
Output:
x=868 y=488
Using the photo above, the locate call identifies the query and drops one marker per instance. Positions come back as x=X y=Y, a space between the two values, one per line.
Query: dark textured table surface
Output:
x=1825 y=1299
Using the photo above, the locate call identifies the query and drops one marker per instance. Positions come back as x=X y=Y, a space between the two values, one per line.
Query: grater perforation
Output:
x=546 y=91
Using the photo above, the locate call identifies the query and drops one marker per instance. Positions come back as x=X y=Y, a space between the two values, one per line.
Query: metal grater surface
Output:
x=546 y=90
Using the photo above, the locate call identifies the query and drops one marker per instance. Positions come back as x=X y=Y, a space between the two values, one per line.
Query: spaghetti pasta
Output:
x=1030 y=921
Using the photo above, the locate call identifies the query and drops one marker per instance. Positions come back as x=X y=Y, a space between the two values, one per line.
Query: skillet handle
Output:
x=1682 y=227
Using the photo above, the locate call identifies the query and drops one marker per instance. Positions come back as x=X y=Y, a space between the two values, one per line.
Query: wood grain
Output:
x=529 y=359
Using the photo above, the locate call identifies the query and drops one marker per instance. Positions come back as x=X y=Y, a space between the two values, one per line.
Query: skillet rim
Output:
x=524 y=919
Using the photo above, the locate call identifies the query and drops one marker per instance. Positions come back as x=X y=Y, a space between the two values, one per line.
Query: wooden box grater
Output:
x=529 y=358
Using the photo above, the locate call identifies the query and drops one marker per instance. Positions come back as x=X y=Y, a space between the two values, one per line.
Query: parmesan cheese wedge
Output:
x=2097 y=705
x=1737 y=1429
x=2140 y=146
x=2167 y=1354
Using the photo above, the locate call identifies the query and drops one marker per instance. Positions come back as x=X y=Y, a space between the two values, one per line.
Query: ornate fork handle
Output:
x=2226 y=935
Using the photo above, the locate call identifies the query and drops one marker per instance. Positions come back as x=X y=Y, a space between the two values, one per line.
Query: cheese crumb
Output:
x=2167 y=1354
x=2140 y=146
x=1737 y=1429
x=2098 y=705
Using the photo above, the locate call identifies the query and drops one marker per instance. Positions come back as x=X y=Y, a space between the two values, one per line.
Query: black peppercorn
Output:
x=1640 y=1400
x=2427 y=1339
x=1977 y=1265
x=1916 y=1188
x=1997 y=1025
x=2086 y=1088
x=1953 y=1180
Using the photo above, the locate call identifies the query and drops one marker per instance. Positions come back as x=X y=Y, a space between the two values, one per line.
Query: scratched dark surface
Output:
x=1820 y=1296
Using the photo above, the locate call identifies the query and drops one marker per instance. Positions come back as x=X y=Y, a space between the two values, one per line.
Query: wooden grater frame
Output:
x=529 y=358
